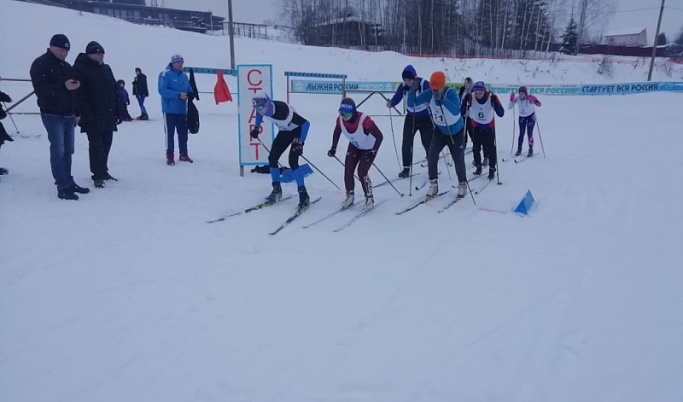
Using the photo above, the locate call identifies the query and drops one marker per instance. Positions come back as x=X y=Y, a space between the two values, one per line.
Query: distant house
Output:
x=137 y=12
x=626 y=37
x=349 y=30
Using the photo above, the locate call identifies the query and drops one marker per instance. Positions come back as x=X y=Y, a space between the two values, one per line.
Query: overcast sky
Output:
x=630 y=13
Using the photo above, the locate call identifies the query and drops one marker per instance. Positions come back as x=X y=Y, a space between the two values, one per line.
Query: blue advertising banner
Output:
x=335 y=87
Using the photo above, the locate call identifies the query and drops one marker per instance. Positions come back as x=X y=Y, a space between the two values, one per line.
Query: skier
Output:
x=364 y=142
x=527 y=117
x=417 y=118
x=445 y=108
x=124 y=100
x=481 y=108
x=140 y=91
x=293 y=130
x=465 y=90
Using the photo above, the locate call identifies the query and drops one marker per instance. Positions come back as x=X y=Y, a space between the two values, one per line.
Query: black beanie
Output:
x=61 y=41
x=94 y=48
x=408 y=74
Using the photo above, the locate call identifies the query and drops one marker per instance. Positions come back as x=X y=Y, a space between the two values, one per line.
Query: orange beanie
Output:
x=437 y=81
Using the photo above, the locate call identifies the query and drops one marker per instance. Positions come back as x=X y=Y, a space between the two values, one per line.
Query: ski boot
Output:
x=348 y=201
x=404 y=173
x=492 y=173
x=170 y=161
x=477 y=172
x=275 y=195
x=462 y=189
x=369 y=203
x=304 y=200
x=433 y=189
x=531 y=153
x=519 y=151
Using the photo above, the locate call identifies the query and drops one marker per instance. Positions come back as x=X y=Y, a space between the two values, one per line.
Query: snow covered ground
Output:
x=129 y=295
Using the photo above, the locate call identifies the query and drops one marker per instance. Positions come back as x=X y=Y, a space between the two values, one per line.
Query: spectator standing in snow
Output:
x=417 y=118
x=99 y=106
x=481 y=108
x=293 y=130
x=124 y=100
x=175 y=90
x=527 y=117
x=364 y=141
x=3 y=133
x=54 y=82
x=140 y=92
x=445 y=106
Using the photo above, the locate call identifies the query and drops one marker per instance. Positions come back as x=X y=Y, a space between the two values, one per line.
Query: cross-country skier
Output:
x=482 y=107
x=417 y=118
x=527 y=117
x=364 y=141
x=292 y=133
x=445 y=107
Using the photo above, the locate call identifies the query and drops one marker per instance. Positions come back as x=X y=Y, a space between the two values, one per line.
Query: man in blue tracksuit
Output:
x=417 y=118
x=445 y=107
x=175 y=90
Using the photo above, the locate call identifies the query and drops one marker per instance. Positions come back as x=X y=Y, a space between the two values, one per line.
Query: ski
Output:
x=254 y=208
x=424 y=183
x=392 y=180
x=521 y=159
x=265 y=204
x=422 y=201
x=296 y=215
x=357 y=216
x=451 y=203
x=486 y=185
x=328 y=216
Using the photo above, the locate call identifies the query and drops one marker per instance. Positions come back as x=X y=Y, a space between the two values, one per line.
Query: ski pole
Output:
x=319 y=171
x=385 y=178
x=342 y=163
x=11 y=118
x=393 y=137
x=540 y=138
x=514 y=123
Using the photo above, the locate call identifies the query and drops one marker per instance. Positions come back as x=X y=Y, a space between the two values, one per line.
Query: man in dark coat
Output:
x=140 y=92
x=55 y=85
x=3 y=133
x=99 y=108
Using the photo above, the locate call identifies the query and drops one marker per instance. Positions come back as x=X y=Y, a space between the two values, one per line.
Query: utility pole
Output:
x=232 y=36
x=654 y=44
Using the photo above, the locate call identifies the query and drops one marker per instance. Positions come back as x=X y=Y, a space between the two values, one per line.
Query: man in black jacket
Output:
x=3 y=133
x=54 y=83
x=99 y=107
x=140 y=92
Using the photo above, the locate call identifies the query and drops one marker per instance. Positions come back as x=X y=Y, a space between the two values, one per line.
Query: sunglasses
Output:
x=259 y=107
x=346 y=114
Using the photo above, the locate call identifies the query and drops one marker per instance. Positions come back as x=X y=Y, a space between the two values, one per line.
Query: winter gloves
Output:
x=297 y=147
x=254 y=133
x=332 y=152
x=512 y=97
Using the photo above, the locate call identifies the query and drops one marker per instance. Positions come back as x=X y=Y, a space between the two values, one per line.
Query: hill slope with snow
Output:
x=128 y=294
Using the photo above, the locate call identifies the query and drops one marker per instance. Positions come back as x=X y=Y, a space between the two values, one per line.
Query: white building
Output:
x=626 y=37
